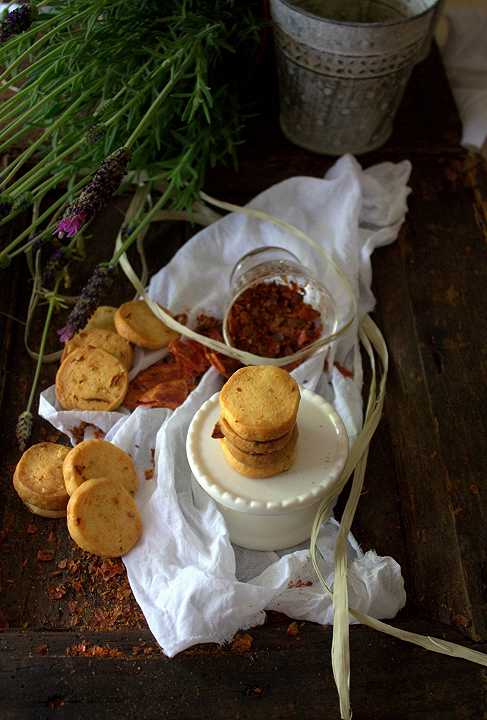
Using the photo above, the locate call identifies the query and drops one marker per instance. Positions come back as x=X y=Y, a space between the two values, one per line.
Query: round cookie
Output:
x=98 y=458
x=253 y=446
x=259 y=472
x=267 y=460
x=107 y=340
x=38 y=477
x=102 y=318
x=103 y=518
x=91 y=379
x=260 y=402
x=136 y=322
x=45 y=513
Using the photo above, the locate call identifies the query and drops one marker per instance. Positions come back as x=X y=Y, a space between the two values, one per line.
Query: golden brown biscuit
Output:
x=267 y=460
x=260 y=402
x=259 y=472
x=103 y=518
x=45 y=513
x=252 y=446
x=136 y=322
x=98 y=458
x=107 y=340
x=38 y=477
x=102 y=318
x=91 y=379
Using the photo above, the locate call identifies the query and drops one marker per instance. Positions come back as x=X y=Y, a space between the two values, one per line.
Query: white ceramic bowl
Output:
x=278 y=512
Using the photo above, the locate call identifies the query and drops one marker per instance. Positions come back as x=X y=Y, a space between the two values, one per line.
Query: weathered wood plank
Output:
x=278 y=677
x=432 y=308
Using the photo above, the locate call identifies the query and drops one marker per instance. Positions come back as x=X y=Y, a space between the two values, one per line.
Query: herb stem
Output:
x=26 y=90
x=42 y=347
x=22 y=118
x=175 y=76
x=32 y=176
x=71 y=19
x=29 y=68
x=32 y=148
x=146 y=220
x=47 y=213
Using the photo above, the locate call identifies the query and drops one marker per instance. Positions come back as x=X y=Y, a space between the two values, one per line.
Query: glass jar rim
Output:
x=258 y=251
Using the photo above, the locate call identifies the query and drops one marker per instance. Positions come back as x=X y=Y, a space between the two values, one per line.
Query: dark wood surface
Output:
x=74 y=641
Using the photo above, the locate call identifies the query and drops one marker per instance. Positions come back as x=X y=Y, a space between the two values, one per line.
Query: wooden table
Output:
x=75 y=644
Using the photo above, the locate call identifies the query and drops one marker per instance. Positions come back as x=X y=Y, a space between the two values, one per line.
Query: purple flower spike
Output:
x=96 y=194
x=65 y=333
x=70 y=225
x=87 y=302
x=17 y=21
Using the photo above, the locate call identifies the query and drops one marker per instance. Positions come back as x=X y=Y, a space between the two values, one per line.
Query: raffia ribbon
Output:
x=373 y=343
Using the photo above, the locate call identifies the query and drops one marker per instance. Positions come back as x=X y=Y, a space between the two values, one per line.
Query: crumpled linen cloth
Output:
x=462 y=36
x=193 y=586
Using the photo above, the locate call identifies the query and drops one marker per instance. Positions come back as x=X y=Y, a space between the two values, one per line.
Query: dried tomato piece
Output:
x=273 y=320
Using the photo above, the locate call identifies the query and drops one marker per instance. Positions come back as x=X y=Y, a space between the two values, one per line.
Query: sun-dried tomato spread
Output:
x=273 y=320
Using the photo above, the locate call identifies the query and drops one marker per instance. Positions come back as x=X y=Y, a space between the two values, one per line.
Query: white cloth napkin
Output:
x=462 y=37
x=191 y=583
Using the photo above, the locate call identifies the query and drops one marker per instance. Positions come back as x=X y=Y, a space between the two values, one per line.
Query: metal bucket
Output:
x=343 y=66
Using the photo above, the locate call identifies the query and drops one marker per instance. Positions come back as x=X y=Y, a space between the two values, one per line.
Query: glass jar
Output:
x=276 y=266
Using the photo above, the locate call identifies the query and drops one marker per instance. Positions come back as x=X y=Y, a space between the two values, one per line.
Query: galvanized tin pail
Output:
x=343 y=66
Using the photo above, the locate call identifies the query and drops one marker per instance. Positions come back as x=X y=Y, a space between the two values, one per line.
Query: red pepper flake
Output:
x=241 y=643
x=31 y=529
x=56 y=592
x=344 y=371
x=109 y=569
x=293 y=629
x=273 y=320
x=84 y=648
x=299 y=583
x=45 y=555
x=217 y=432
x=55 y=703
x=461 y=621
x=77 y=587
x=149 y=473
x=41 y=649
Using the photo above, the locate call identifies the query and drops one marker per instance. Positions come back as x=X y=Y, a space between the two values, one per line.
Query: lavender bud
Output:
x=88 y=301
x=24 y=429
x=96 y=194
x=17 y=21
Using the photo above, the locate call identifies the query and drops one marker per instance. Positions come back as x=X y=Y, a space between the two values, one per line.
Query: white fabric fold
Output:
x=462 y=36
x=191 y=584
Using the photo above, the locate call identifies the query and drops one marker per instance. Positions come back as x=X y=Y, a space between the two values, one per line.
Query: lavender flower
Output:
x=88 y=301
x=70 y=225
x=24 y=429
x=95 y=133
x=96 y=194
x=17 y=21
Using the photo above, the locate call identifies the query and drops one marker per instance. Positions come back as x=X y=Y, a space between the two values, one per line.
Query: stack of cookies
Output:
x=257 y=427
x=93 y=484
x=95 y=363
